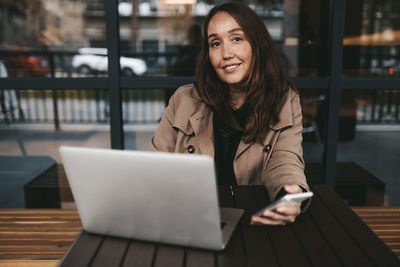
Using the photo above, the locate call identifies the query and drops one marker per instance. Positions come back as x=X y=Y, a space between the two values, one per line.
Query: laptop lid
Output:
x=153 y=196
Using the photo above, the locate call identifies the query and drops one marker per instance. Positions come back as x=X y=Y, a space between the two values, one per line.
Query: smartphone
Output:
x=296 y=198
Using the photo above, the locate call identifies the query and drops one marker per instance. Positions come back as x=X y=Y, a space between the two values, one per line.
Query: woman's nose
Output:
x=227 y=52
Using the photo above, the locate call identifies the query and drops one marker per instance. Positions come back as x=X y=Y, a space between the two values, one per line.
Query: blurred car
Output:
x=25 y=65
x=94 y=60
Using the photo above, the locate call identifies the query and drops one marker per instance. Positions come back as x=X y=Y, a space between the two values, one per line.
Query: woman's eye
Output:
x=214 y=44
x=237 y=39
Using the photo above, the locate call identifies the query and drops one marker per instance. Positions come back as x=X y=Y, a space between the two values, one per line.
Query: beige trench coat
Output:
x=187 y=127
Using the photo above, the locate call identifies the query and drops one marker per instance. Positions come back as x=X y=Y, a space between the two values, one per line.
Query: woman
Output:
x=242 y=111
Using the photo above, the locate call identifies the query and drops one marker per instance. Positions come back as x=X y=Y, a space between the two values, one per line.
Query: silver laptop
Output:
x=152 y=196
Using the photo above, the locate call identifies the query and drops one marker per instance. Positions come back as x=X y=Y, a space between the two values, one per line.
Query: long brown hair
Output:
x=266 y=86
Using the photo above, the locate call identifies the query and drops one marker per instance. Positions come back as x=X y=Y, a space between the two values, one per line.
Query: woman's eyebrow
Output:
x=235 y=30
x=230 y=31
x=212 y=35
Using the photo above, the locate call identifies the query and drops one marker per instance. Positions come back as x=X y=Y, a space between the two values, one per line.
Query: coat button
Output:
x=267 y=148
x=190 y=149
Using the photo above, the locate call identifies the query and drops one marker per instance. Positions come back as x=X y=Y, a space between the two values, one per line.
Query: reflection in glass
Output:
x=143 y=106
x=54 y=107
x=372 y=39
x=166 y=34
x=39 y=38
x=42 y=38
x=92 y=61
x=369 y=142
x=142 y=111
x=313 y=104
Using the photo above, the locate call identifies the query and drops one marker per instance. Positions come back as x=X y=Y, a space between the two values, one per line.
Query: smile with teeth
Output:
x=229 y=67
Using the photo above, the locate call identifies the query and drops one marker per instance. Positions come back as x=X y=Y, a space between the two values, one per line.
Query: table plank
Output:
x=140 y=254
x=315 y=246
x=170 y=256
x=30 y=263
x=111 y=252
x=348 y=252
x=384 y=222
x=254 y=237
x=200 y=258
x=283 y=238
x=46 y=229
x=36 y=235
x=374 y=249
x=82 y=250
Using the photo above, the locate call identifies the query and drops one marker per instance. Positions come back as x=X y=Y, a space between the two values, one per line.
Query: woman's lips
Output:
x=230 y=67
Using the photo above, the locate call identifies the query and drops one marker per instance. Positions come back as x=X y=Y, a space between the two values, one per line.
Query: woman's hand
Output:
x=283 y=214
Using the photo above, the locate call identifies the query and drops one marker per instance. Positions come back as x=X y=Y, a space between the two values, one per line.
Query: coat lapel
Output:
x=202 y=123
x=285 y=121
x=285 y=116
x=242 y=148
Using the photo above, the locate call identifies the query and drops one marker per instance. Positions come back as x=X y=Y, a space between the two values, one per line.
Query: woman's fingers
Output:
x=275 y=216
x=281 y=217
x=284 y=214
x=267 y=221
x=271 y=221
x=288 y=209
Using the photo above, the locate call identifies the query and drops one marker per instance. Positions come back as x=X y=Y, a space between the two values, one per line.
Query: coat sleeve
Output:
x=286 y=164
x=164 y=139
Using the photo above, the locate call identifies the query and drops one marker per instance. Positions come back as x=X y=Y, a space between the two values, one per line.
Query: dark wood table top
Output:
x=329 y=233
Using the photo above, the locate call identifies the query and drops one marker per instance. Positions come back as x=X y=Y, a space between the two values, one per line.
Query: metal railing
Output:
x=146 y=106
x=380 y=107
x=78 y=106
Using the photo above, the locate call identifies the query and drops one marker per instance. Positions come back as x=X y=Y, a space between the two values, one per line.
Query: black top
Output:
x=225 y=146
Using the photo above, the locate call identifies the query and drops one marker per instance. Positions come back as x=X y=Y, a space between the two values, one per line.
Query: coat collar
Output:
x=194 y=117
x=202 y=125
x=193 y=107
x=285 y=116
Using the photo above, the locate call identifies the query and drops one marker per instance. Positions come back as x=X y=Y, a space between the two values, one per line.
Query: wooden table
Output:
x=36 y=237
x=328 y=234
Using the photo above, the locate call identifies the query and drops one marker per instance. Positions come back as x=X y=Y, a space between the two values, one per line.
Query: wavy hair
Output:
x=266 y=86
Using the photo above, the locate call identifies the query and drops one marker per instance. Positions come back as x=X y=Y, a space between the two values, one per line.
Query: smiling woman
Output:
x=230 y=53
x=242 y=111
x=238 y=64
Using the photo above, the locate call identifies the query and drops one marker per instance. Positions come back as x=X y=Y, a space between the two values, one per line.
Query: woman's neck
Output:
x=237 y=98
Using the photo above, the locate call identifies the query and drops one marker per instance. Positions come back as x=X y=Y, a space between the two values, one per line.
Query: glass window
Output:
x=372 y=39
x=313 y=104
x=368 y=146
x=141 y=110
x=166 y=34
x=33 y=125
x=41 y=38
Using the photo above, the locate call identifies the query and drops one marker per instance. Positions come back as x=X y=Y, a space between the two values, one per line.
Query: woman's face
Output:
x=230 y=51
